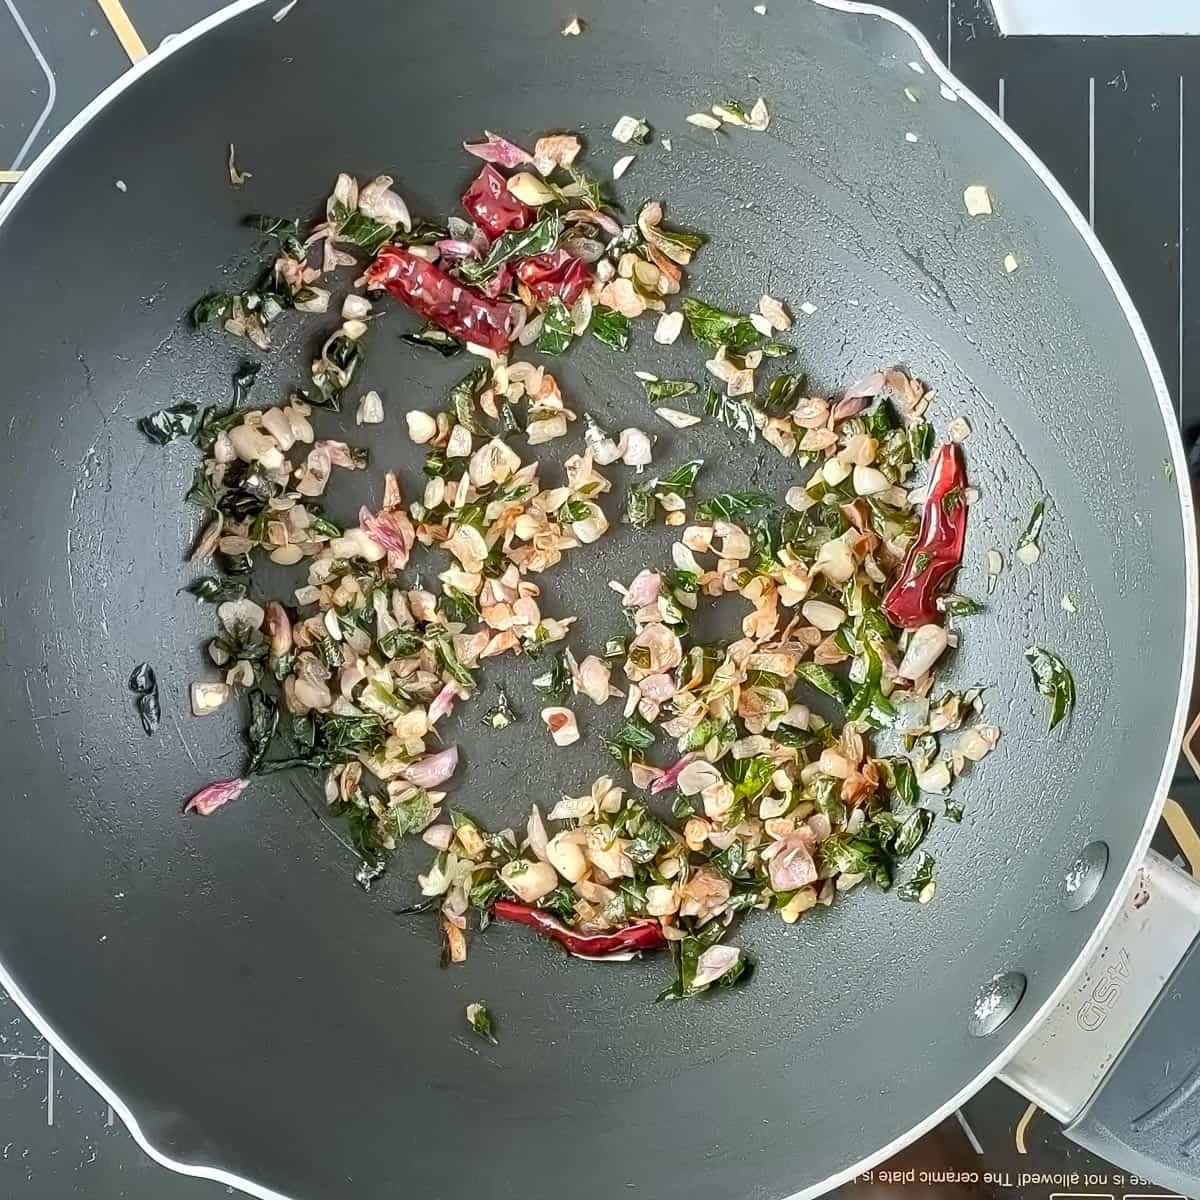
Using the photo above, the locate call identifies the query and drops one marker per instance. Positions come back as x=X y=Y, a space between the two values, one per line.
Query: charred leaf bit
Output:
x=144 y=685
x=216 y=589
x=433 y=338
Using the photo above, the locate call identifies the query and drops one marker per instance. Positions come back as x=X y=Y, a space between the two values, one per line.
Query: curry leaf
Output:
x=920 y=885
x=732 y=411
x=539 y=238
x=640 y=506
x=1053 y=680
x=168 y=424
x=718 y=327
x=610 y=327
x=213 y=307
x=631 y=740
x=660 y=390
x=462 y=399
x=920 y=440
x=557 y=680
x=216 y=589
x=959 y=606
x=260 y=731
x=557 y=328
x=731 y=506
x=680 y=481
x=783 y=393
x=825 y=680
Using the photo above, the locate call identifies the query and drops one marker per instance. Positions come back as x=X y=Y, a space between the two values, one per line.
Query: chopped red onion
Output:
x=443 y=703
x=667 y=779
x=208 y=799
x=870 y=387
x=455 y=248
x=433 y=769
x=644 y=589
x=850 y=406
x=496 y=149
x=384 y=530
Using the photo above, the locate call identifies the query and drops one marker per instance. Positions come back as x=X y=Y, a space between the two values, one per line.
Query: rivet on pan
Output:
x=996 y=1002
x=1082 y=881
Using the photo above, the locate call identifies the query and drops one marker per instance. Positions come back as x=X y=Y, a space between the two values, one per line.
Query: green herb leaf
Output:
x=640 y=506
x=573 y=510
x=168 y=424
x=777 y=350
x=557 y=328
x=413 y=813
x=500 y=715
x=856 y=855
x=631 y=740
x=783 y=394
x=825 y=680
x=959 y=606
x=686 y=956
x=555 y=682
x=213 y=307
x=921 y=562
x=457 y=606
x=749 y=776
x=610 y=327
x=450 y=662
x=680 y=481
x=433 y=338
x=480 y=1021
x=732 y=412
x=731 y=506
x=264 y=721
x=920 y=440
x=683 y=807
x=217 y=589
x=1033 y=531
x=561 y=902
x=900 y=778
x=920 y=885
x=1053 y=680
x=400 y=643
x=660 y=390
x=362 y=231
x=718 y=327
x=463 y=396
x=539 y=238
x=911 y=832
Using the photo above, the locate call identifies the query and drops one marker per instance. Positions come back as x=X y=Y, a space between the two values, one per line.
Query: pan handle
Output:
x=1118 y=1062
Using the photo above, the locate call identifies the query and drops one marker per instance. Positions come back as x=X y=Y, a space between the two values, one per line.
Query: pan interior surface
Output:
x=226 y=977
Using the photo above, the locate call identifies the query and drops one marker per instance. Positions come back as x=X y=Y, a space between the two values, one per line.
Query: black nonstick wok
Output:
x=252 y=1014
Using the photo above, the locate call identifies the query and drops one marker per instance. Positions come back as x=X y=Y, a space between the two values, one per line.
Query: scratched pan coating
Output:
x=254 y=1010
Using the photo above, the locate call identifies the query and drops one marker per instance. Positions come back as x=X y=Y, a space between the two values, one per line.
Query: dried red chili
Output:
x=912 y=600
x=641 y=935
x=554 y=274
x=446 y=302
x=492 y=206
